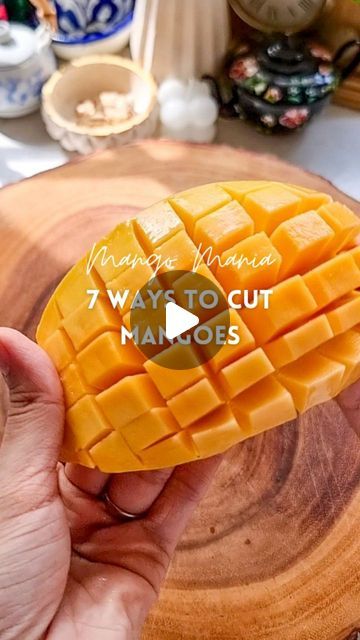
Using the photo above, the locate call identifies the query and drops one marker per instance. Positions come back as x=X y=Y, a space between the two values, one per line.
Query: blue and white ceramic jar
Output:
x=26 y=63
x=92 y=26
x=78 y=18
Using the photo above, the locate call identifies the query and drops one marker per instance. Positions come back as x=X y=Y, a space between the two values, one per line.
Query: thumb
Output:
x=35 y=415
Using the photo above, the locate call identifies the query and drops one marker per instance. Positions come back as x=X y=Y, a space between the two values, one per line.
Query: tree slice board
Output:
x=273 y=552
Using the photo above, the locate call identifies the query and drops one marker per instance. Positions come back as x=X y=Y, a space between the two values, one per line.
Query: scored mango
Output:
x=129 y=411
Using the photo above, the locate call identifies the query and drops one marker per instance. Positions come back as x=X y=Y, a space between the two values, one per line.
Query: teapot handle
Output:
x=354 y=62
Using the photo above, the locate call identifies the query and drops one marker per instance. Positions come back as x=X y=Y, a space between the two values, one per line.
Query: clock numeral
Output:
x=292 y=11
x=257 y=5
x=306 y=5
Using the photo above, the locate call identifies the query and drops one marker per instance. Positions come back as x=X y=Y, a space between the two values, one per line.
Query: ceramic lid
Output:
x=18 y=43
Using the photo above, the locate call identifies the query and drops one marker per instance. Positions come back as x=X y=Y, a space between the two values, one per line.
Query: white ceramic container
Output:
x=26 y=62
x=181 y=38
x=85 y=79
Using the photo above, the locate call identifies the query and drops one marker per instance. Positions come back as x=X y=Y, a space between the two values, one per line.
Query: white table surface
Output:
x=328 y=146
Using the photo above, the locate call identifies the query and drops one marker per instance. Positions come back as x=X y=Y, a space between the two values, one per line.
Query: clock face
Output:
x=286 y=16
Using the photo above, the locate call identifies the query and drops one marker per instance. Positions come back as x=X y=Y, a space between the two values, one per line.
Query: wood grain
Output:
x=273 y=551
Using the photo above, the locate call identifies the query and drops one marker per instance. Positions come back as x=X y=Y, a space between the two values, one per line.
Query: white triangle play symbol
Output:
x=178 y=320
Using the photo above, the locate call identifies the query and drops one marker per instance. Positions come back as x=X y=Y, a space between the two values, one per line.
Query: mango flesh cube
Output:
x=301 y=241
x=310 y=200
x=106 y=360
x=58 y=346
x=240 y=188
x=74 y=385
x=195 y=203
x=157 y=225
x=345 y=224
x=194 y=302
x=170 y=381
x=133 y=280
x=344 y=313
x=179 y=253
x=86 y=424
x=312 y=380
x=112 y=255
x=113 y=452
x=223 y=228
x=230 y=352
x=265 y=405
x=77 y=457
x=51 y=321
x=299 y=341
x=327 y=282
x=84 y=325
x=72 y=290
x=290 y=303
x=270 y=206
x=126 y=411
x=148 y=429
x=252 y=264
x=202 y=270
x=243 y=373
x=170 y=452
x=128 y=399
x=152 y=316
x=194 y=403
x=355 y=254
x=216 y=433
x=345 y=348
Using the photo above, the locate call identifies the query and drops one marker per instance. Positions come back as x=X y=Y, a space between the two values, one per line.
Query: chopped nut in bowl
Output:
x=109 y=107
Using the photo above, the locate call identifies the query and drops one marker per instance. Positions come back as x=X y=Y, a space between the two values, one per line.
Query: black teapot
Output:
x=281 y=83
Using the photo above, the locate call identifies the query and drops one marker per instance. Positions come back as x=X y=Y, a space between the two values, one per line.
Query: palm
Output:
x=68 y=569
x=108 y=562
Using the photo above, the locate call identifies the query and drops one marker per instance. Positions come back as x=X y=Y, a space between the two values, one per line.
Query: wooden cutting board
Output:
x=273 y=552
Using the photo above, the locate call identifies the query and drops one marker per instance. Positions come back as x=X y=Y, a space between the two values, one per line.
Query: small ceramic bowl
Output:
x=85 y=79
x=91 y=28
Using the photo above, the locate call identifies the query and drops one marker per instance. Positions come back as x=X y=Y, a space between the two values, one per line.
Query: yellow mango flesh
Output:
x=126 y=412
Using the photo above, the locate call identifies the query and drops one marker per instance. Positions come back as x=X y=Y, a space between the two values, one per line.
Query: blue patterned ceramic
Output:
x=87 y=20
x=23 y=72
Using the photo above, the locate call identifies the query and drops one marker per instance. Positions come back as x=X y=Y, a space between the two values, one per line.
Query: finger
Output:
x=144 y=547
x=349 y=402
x=34 y=426
x=182 y=494
x=90 y=481
x=136 y=492
x=4 y=403
x=85 y=512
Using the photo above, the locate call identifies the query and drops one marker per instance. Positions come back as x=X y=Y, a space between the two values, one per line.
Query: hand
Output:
x=67 y=568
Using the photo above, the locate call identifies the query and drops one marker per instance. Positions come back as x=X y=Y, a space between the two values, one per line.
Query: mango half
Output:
x=125 y=412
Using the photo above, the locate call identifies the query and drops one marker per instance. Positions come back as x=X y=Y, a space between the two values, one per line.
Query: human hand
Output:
x=68 y=569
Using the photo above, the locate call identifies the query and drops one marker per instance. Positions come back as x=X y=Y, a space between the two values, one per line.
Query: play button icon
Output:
x=179 y=320
x=182 y=321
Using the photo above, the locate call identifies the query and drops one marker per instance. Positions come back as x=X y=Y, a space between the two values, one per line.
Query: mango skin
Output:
x=127 y=413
